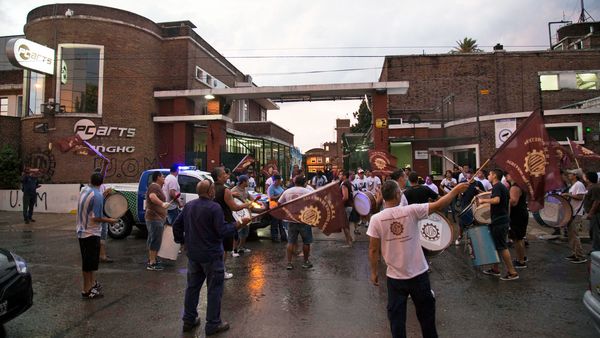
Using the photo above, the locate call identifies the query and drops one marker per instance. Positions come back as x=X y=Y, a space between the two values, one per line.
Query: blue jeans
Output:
x=213 y=272
x=419 y=290
x=278 y=230
x=172 y=216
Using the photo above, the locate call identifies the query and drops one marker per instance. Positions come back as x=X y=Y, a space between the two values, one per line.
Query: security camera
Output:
x=69 y=13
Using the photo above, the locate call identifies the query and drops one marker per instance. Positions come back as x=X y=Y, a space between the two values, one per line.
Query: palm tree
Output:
x=467 y=45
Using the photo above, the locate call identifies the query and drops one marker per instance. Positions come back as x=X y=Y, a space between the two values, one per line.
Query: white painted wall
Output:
x=54 y=198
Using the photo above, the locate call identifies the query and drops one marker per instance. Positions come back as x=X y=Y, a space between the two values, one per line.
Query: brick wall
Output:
x=10 y=131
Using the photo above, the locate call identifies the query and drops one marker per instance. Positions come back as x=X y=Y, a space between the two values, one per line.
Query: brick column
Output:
x=380 y=111
x=214 y=140
x=178 y=143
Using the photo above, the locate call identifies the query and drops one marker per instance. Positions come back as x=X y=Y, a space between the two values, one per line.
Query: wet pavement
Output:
x=334 y=299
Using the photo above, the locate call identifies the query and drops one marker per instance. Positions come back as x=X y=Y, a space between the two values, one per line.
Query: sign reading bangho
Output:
x=27 y=54
x=115 y=149
x=87 y=129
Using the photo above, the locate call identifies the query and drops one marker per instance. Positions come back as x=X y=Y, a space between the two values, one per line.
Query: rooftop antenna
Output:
x=584 y=14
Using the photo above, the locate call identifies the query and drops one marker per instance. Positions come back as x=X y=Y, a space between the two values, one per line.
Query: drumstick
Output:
x=175 y=199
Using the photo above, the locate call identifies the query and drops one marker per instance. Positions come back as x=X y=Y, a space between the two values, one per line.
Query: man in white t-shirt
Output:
x=360 y=182
x=575 y=195
x=394 y=234
x=373 y=182
x=171 y=189
x=480 y=176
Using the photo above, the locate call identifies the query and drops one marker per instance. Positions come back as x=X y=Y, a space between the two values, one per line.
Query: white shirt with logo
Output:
x=397 y=229
x=360 y=184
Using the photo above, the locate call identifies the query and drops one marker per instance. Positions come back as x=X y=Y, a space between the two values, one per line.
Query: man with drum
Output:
x=465 y=218
x=575 y=195
x=498 y=201
x=519 y=217
x=360 y=184
x=295 y=229
x=418 y=193
x=348 y=200
x=394 y=234
x=224 y=198
x=240 y=191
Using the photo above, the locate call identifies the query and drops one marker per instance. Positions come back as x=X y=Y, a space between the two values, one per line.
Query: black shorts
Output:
x=228 y=243
x=517 y=232
x=90 y=253
x=499 y=235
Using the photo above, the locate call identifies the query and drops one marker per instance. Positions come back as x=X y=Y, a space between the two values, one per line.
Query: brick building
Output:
x=459 y=104
x=110 y=64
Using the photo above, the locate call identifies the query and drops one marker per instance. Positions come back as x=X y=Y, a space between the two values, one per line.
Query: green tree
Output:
x=467 y=45
x=9 y=168
x=363 y=115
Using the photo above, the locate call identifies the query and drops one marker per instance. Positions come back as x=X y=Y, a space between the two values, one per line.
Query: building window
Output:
x=561 y=131
x=199 y=74
x=326 y=148
x=263 y=114
x=34 y=89
x=326 y=159
x=4 y=106
x=549 y=82
x=19 y=111
x=319 y=160
x=586 y=80
x=81 y=81
x=436 y=163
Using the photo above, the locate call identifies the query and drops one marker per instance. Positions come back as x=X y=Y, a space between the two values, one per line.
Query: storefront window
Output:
x=34 y=89
x=4 y=106
x=80 y=80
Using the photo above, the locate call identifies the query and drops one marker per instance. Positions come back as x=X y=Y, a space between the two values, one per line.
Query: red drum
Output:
x=115 y=205
x=435 y=234
x=365 y=203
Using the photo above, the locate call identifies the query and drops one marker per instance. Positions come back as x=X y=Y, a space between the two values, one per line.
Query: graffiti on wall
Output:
x=127 y=168
x=43 y=160
x=16 y=200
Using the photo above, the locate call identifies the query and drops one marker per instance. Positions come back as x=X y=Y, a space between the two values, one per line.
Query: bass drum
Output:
x=365 y=203
x=238 y=215
x=557 y=211
x=435 y=234
x=482 y=212
x=115 y=205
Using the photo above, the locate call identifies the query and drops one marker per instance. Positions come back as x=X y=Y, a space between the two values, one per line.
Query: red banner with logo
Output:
x=527 y=157
x=382 y=162
x=563 y=156
x=583 y=152
x=322 y=208
x=67 y=143
x=267 y=169
x=244 y=164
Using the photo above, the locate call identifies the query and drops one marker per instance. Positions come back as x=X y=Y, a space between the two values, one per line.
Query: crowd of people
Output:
x=209 y=232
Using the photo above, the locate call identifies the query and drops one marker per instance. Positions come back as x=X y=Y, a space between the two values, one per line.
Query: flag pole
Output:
x=572 y=152
x=480 y=168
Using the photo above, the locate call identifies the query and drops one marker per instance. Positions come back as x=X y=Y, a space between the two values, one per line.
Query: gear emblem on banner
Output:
x=310 y=215
x=535 y=163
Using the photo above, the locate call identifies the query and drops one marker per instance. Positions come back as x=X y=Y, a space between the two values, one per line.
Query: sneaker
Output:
x=510 y=277
x=244 y=250
x=289 y=266
x=457 y=242
x=154 y=267
x=525 y=259
x=228 y=275
x=187 y=326
x=579 y=260
x=307 y=265
x=97 y=286
x=519 y=265
x=224 y=326
x=92 y=294
x=234 y=253
x=571 y=258
x=491 y=272
x=357 y=232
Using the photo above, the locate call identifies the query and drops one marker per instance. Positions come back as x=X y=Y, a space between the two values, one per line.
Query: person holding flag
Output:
x=575 y=196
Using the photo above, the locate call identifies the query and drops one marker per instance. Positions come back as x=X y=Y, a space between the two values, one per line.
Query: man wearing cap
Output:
x=575 y=195
x=274 y=192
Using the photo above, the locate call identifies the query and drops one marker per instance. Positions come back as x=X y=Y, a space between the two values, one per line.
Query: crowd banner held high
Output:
x=322 y=208
x=244 y=164
x=583 y=152
x=526 y=156
x=563 y=156
x=382 y=162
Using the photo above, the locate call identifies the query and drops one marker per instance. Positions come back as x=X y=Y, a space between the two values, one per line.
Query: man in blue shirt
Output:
x=201 y=226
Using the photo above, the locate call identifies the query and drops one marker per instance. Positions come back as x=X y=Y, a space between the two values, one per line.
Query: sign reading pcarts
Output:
x=30 y=55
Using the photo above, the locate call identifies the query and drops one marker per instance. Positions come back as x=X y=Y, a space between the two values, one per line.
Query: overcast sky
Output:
x=245 y=28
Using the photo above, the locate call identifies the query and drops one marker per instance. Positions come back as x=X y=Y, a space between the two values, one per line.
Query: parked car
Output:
x=16 y=292
x=135 y=193
x=591 y=298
